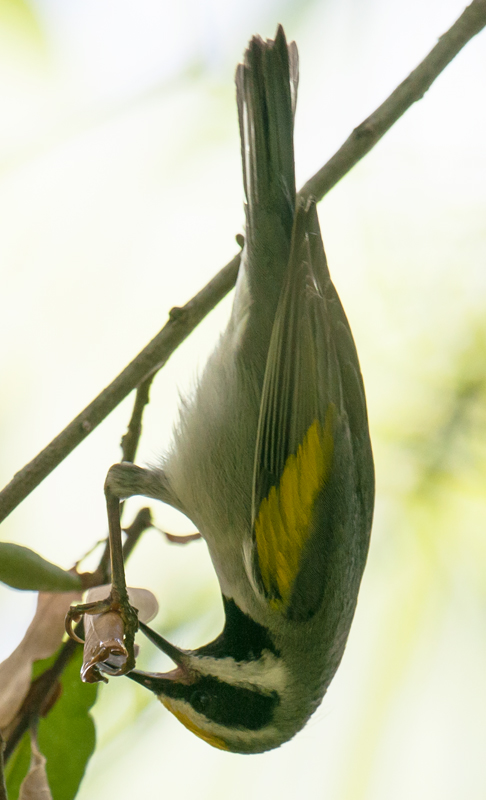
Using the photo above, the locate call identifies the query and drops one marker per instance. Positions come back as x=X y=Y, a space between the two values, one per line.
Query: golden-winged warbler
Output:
x=271 y=457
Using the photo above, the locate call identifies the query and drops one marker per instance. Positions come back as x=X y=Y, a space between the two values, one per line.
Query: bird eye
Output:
x=200 y=701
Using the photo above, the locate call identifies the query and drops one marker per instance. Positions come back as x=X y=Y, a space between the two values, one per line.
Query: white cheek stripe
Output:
x=267 y=673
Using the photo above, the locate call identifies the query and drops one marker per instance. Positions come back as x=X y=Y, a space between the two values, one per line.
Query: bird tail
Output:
x=267 y=93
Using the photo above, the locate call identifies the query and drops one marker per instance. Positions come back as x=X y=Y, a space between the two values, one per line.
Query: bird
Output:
x=271 y=456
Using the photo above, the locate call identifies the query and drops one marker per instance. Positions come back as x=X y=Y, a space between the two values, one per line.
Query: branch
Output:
x=131 y=438
x=129 y=446
x=182 y=321
x=413 y=88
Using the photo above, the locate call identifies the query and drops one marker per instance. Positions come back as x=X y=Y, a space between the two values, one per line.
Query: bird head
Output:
x=234 y=693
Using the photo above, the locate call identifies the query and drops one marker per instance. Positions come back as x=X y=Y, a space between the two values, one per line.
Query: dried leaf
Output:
x=42 y=639
x=104 y=641
x=142 y=599
x=104 y=633
x=35 y=785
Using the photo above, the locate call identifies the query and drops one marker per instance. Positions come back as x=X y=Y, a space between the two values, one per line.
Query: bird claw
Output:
x=124 y=619
x=78 y=610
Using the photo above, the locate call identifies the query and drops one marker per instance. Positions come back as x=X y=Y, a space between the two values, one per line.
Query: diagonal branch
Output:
x=183 y=321
x=413 y=88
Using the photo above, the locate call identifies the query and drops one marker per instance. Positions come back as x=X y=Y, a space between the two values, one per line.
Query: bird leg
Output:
x=122 y=481
x=117 y=601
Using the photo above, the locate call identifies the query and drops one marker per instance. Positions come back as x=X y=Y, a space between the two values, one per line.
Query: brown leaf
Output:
x=104 y=633
x=41 y=640
x=104 y=640
x=35 y=785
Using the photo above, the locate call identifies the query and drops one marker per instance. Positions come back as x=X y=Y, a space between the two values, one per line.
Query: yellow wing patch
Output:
x=284 y=518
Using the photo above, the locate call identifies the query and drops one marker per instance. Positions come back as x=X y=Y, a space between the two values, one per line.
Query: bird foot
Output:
x=110 y=633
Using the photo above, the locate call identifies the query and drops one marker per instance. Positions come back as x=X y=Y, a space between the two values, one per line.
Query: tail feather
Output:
x=266 y=93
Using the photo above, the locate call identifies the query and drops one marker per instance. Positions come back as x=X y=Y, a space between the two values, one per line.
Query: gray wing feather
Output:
x=312 y=365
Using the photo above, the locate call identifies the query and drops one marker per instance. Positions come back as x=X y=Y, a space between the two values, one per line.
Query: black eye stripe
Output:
x=200 y=700
x=225 y=704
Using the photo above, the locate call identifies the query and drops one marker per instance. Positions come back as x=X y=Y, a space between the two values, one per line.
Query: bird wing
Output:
x=312 y=431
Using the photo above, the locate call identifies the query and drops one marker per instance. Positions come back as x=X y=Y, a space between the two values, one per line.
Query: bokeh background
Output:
x=120 y=196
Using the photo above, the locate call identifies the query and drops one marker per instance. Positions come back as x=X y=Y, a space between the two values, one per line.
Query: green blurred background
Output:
x=120 y=196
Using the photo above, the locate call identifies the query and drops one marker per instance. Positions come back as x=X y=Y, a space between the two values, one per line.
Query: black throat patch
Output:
x=242 y=638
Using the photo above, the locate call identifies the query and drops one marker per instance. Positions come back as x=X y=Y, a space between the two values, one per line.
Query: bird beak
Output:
x=155 y=681
x=177 y=655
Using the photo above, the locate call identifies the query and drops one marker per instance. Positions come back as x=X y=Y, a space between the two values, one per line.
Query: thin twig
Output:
x=413 y=88
x=130 y=440
x=183 y=321
x=140 y=524
x=129 y=445
x=3 y=788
